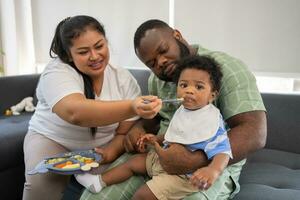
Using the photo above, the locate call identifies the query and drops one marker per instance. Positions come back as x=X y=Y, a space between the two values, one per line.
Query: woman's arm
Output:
x=78 y=110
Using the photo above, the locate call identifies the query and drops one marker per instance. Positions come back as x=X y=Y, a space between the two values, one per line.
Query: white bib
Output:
x=193 y=126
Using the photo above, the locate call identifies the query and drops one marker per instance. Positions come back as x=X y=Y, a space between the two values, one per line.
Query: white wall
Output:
x=120 y=19
x=265 y=34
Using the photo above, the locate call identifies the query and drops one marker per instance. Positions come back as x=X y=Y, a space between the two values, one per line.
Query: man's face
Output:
x=159 y=50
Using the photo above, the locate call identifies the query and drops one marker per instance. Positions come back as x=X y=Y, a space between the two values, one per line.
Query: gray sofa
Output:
x=271 y=173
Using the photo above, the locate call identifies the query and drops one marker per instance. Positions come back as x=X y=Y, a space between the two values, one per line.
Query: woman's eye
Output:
x=99 y=46
x=83 y=52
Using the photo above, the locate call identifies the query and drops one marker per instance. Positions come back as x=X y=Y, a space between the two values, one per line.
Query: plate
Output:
x=68 y=163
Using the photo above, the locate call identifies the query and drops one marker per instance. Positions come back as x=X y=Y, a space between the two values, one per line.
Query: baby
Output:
x=197 y=124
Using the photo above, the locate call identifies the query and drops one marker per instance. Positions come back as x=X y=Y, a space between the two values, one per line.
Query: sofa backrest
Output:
x=283 y=110
x=283 y=120
x=141 y=75
x=15 y=88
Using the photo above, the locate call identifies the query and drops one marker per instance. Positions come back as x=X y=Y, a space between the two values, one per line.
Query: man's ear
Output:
x=177 y=34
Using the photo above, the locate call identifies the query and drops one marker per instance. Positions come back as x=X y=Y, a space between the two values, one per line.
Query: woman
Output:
x=83 y=103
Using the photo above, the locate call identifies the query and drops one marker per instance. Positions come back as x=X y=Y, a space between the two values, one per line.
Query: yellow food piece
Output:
x=72 y=166
x=86 y=167
x=94 y=164
x=55 y=160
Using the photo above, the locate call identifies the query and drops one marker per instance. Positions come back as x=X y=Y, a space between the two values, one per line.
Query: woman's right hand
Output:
x=147 y=107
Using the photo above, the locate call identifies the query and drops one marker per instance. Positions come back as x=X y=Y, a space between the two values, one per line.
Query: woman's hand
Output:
x=111 y=152
x=147 y=106
x=105 y=155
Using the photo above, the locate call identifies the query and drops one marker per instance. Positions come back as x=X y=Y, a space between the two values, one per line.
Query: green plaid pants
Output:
x=223 y=188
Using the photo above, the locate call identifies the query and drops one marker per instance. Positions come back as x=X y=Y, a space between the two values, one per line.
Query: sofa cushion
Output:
x=270 y=174
x=12 y=133
x=15 y=88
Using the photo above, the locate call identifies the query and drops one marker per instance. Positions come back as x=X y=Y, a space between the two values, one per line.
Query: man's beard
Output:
x=183 y=52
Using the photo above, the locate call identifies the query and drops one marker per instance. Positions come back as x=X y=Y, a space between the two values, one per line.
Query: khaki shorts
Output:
x=163 y=185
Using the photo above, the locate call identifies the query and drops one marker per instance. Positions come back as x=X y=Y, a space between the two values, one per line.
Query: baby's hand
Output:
x=144 y=140
x=204 y=177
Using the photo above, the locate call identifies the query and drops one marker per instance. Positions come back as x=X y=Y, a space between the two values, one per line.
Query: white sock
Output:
x=91 y=182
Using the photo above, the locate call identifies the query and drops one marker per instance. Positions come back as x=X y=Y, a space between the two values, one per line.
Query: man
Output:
x=159 y=46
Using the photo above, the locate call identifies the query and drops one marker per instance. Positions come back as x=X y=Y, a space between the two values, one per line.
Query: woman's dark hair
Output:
x=144 y=27
x=66 y=31
x=204 y=63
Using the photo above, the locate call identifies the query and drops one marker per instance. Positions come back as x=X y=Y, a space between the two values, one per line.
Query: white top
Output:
x=193 y=126
x=59 y=80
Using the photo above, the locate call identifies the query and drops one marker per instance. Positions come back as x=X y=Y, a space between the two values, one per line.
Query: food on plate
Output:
x=89 y=166
x=69 y=161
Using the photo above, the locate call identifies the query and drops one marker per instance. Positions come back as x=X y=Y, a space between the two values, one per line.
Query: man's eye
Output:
x=164 y=50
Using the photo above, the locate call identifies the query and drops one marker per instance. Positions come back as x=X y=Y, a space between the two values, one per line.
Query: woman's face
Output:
x=195 y=88
x=90 y=53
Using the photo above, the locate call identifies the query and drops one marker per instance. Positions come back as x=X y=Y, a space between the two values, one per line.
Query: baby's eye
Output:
x=183 y=85
x=199 y=87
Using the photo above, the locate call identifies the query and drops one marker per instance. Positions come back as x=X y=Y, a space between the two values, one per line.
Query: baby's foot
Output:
x=90 y=182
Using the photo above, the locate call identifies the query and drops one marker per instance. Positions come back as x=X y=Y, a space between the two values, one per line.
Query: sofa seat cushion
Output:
x=12 y=132
x=270 y=174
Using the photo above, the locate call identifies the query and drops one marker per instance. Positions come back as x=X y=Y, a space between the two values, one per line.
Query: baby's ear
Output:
x=214 y=95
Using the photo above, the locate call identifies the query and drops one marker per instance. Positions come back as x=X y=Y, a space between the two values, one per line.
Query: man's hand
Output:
x=146 y=139
x=130 y=141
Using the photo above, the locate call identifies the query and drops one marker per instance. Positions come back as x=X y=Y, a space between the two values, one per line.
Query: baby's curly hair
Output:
x=204 y=63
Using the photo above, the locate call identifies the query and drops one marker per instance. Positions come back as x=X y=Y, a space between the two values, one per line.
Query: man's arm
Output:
x=247 y=134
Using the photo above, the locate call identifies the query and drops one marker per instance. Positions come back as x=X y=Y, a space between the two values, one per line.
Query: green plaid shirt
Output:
x=238 y=91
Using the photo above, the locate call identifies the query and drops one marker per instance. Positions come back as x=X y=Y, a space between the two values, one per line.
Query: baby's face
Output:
x=194 y=87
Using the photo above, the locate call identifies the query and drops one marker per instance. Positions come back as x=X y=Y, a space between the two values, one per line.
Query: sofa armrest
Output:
x=15 y=88
x=283 y=121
